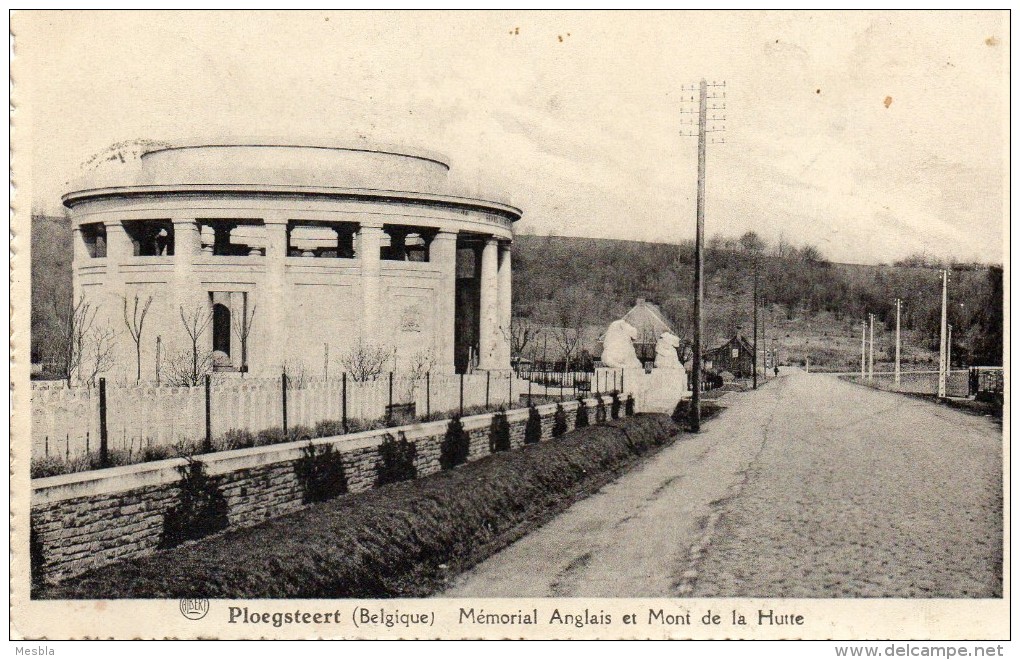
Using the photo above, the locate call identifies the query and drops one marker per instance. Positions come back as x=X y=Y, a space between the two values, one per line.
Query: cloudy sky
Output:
x=870 y=135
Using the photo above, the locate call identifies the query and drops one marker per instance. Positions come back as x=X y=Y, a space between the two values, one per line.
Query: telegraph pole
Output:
x=754 y=361
x=949 y=351
x=871 y=349
x=864 y=340
x=942 y=339
x=897 y=378
x=699 y=265
x=699 y=243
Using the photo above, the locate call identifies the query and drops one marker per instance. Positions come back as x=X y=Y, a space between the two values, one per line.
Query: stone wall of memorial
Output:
x=85 y=520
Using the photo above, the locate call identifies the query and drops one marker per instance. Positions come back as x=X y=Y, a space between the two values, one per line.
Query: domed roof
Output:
x=276 y=167
x=287 y=165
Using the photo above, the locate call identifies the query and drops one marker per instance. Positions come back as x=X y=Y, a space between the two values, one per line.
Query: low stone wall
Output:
x=84 y=520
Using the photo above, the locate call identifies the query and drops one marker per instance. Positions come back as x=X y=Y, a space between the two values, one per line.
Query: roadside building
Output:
x=735 y=356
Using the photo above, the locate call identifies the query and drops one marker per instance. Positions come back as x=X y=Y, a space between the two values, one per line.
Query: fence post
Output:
x=428 y=394
x=510 y=390
x=529 y=388
x=208 y=414
x=461 y=394
x=561 y=386
x=343 y=413
x=621 y=381
x=104 y=456
x=614 y=380
x=487 y=375
x=283 y=382
x=389 y=408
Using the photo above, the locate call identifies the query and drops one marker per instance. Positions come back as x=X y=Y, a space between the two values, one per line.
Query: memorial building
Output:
x=295 y=255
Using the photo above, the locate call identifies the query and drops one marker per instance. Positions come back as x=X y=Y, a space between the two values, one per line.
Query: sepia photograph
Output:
x=510 y=324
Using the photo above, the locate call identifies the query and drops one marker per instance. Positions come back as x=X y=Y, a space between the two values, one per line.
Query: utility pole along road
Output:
x=807 y=487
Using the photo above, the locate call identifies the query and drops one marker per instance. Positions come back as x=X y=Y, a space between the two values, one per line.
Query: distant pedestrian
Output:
x=775 y=370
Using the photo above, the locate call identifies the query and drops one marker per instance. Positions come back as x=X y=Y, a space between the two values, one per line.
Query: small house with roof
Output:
x=735 y=356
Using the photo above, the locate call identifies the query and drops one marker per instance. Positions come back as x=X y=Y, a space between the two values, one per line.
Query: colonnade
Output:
x=494 y=275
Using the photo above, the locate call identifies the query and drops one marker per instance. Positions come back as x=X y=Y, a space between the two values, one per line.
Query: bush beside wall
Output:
x=401 y=540
x=82 y=521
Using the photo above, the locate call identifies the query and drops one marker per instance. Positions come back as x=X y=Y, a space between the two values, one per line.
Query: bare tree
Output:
x=418 y=365
x=570 y=335
x=242 y=324
x=366 y=361
x=99 y=354
x=189 y=369
x=520 y=333
x=135 y=322
x=74 y=325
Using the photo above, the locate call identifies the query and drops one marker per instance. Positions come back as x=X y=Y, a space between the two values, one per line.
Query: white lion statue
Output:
x=618 y=346
x=665 y=351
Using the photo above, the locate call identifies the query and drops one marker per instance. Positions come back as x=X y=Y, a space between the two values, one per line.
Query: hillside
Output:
x=811 y=307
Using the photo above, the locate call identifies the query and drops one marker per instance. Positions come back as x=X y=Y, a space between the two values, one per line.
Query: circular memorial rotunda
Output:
x=276 y=255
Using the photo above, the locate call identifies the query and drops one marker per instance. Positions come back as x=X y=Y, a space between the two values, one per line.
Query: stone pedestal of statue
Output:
x=663 y=389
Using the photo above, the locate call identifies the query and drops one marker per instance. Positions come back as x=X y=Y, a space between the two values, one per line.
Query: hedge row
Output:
x=401 y=540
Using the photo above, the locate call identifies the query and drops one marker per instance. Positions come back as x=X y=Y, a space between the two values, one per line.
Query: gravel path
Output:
x=808 y=487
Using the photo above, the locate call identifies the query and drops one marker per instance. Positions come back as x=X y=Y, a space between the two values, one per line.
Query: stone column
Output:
x=369 y=245
x=443 y=252
x=487 y=307
x=118 y=251
x=118 y=245
x=187 y=247
x=505 y=310
x=274 y=334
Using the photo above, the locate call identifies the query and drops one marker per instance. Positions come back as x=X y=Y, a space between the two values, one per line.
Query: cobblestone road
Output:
x=809 y=487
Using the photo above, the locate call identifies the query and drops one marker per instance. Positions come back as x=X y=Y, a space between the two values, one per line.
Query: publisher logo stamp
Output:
x=194 y=608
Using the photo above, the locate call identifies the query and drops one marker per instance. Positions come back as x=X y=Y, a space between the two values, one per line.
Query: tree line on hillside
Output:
x=574 y=287
x=571 y=283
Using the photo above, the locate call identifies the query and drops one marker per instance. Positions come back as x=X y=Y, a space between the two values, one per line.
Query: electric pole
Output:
x=754 y=360
x=871 y=348
x=897 y=369
x=699 y=242
x=942 y=339
x=864 y=339
x=949 y=351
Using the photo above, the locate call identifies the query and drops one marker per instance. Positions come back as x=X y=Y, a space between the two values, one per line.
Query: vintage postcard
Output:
x=510 y=325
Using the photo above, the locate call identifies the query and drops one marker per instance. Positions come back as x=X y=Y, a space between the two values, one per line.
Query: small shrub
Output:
x=559 y=422
x=581 y=420
x=396 y=461
x=320 y=471
x=271 y=436
x=236 y=439
x=533 y=429
x=299 y=432
x=328 y=428
x=201 y=510
x=600 y=411
x=628 y=407
x=615 y=409
x=456 y=445
x=499 y=432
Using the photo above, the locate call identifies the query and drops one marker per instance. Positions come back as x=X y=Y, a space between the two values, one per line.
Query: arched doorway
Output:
x=221 y=328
